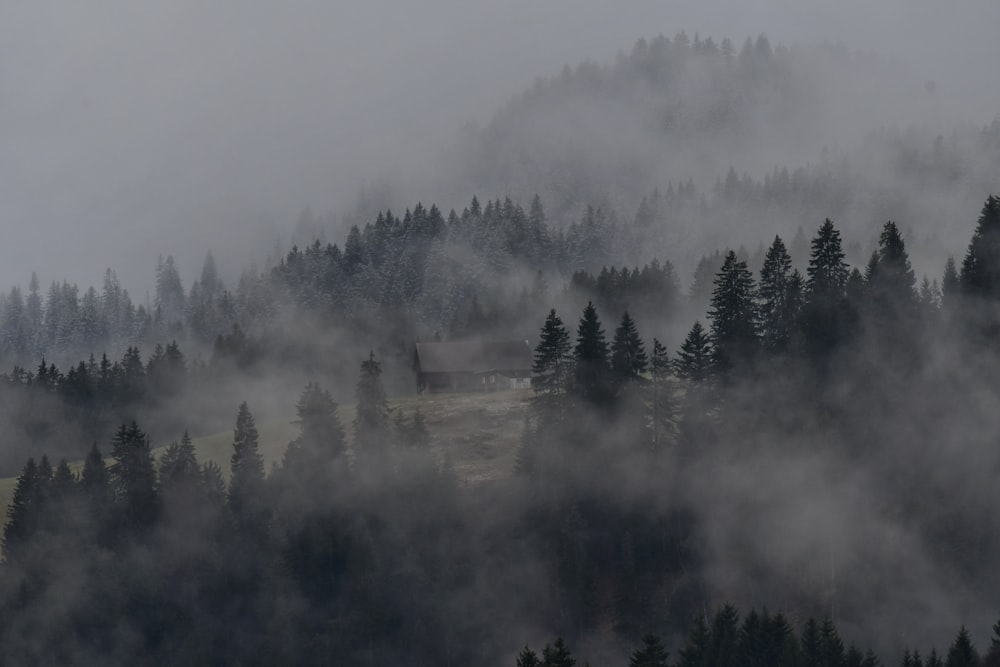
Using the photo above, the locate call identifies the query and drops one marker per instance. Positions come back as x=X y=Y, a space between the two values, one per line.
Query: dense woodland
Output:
x=366 y=549
x=757 y=435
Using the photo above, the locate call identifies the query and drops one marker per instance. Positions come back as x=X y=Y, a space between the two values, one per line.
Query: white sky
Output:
x=132 y=129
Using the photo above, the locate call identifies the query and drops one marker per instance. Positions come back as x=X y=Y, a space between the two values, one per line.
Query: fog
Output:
x=129 y=131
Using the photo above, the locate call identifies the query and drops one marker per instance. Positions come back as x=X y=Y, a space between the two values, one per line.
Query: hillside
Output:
x=477 y=433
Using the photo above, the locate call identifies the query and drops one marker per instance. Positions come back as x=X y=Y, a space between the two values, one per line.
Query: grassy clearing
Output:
x=478 y=433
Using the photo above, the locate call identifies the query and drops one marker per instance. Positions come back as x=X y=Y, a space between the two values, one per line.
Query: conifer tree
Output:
x=557 y=655
x=890 y=282
x=962 y=653
x=246 y=480
x=551 y=368
x=652 y=653
x=950 y=285
x=694 y=359
x=528 y=658
x=779 y=298
x=133 y=477
x=24 y=512
x=95 y=482
x=696 y=647
x=826 y=291
x=371 y=425
x=628 y=356
x=179 y=469
x=980 y=274
x=316 y=458
x=591 y=372
x=733 y=315
x=662 y=409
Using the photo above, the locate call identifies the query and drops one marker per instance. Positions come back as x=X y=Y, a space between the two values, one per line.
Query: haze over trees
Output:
x=761 y=428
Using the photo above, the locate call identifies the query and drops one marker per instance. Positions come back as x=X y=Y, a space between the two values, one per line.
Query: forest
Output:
x=761 y=429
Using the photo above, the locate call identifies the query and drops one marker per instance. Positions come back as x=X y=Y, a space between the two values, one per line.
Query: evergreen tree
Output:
x=246 y=479
x=133 y=477
x=179 y=469
x=95 y=481
x=826 y=290
x=950 y=285
x=662 y=409
x=24 y=512
x=981 y=267
x=831 y=646
x=733 y=315
x=962 y=653
x=371 y=425
x=551 y=369
x=694 y=359
x=696 y=648
x=557 y=655
x=778 y=302
x=528 y=658
x=591 y=372
x=652 y=653
x=316 y=458
x=890 y=282
x=628 y=356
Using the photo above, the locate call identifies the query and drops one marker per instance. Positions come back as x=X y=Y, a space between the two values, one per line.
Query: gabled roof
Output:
x=474 y=356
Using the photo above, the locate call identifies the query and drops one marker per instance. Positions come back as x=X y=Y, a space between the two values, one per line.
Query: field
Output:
x=479 y=433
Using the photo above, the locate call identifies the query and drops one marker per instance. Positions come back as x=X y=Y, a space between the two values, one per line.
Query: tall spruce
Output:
x=552 y=369
x=652 y=653
x=823 y=321
x=628 y=355
x=371 y=424
x=24 y=512
x=662 y=408
x=890 y=281
x=733 y=315
x=133 y=477
x=591 y=373
x=694 y=358
x=980 y=275
x=778 y=298
x=246 y=465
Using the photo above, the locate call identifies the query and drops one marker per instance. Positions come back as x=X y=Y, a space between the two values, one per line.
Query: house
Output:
x=473 y=365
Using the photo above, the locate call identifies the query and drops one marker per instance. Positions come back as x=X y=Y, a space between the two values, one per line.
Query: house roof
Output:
x=474 y=356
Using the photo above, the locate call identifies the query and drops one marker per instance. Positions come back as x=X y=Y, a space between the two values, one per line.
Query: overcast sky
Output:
x=132 y=129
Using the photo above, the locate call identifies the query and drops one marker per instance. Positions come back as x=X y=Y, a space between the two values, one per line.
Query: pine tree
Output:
x=950 y=285
x=662 y=408
x=96 y=481
x=694 y=359
x=246 y=480
x=24 y=512
x=652 y=653
x=591 y=372
x=778 y=298
x=831 y=646
x=826 y=291
x=316 y=458
x=962 y=653
x=371 y=425
x=890 y=282
x=733 y=315
x=696 y=648
x=551 y=369
x=557 y=655
x=528 y=658
x=628 y=356
x=980 y=275
x=133 y=477
x=179 y=469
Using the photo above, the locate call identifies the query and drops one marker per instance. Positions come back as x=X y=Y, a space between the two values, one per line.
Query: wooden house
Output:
x=473 y=365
